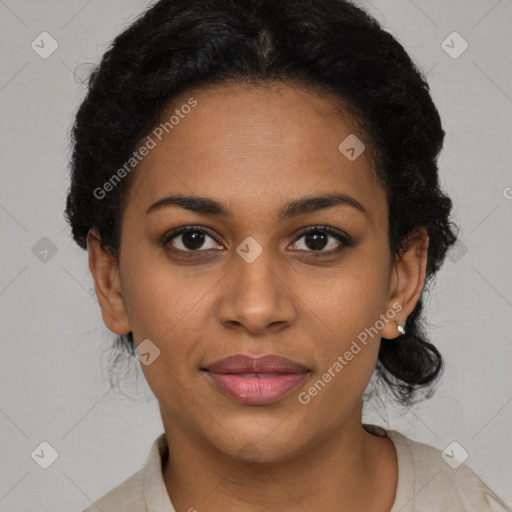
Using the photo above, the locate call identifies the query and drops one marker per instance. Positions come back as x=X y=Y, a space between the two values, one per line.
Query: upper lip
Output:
x=270 y=363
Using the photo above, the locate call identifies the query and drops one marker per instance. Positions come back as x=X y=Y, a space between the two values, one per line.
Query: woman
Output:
x=256 y=184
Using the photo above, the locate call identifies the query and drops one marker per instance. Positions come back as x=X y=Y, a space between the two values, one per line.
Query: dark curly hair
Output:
x=329 y=46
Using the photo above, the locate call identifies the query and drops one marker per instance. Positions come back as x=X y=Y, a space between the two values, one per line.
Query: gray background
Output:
x=55 y=348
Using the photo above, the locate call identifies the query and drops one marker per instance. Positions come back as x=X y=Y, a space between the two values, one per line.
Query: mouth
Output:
x=256 y=381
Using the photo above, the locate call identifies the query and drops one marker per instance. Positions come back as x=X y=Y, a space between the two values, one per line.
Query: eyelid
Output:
x=327 y=229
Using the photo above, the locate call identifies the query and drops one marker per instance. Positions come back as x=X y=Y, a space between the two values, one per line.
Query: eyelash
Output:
x=346 y=241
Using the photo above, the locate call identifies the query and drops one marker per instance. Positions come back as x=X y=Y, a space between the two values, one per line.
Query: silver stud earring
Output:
x=401 y=330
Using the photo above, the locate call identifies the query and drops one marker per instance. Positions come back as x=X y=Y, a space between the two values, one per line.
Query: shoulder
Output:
x=432 y=480
x=144 y=490
x=128 y=495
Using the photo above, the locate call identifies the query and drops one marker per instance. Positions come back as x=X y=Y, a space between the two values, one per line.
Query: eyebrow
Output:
x=209 y=206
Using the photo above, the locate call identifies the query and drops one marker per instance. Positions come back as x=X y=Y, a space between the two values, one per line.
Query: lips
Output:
x=256 y=380
x=245 y=364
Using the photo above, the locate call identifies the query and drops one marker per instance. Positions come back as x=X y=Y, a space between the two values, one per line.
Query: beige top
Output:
x=426 y=483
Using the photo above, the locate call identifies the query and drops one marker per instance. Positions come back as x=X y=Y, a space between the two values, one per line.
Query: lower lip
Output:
x=254 y=388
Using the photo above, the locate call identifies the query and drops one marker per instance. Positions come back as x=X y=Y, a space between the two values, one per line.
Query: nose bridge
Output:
x=258 y=276
x=256 y=296
x=256 y=282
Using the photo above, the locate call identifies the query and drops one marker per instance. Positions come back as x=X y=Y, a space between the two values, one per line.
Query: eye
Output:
x=316 y=239
x=192 y=239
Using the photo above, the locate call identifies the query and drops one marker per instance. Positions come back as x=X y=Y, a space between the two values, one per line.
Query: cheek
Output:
x=158 y=295
x=352 y=296
x=166 y=304
x=348 y=355
x=349 y=319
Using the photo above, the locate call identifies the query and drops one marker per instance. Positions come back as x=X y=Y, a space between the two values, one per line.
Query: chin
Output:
x=260 y=445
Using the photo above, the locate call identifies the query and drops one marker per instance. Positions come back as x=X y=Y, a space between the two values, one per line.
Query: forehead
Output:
x=252 y=146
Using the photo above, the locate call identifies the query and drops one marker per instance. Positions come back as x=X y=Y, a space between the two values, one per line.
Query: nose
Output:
x=256 y=297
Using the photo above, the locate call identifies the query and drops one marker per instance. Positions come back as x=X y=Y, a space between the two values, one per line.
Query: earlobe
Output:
x=107 y=283
x=408 y=280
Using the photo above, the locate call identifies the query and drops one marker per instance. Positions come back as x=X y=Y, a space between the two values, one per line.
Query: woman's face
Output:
x=254 y=283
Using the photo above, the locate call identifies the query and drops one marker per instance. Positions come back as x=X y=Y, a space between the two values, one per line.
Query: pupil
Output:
x=193 y=239
x=318 y=240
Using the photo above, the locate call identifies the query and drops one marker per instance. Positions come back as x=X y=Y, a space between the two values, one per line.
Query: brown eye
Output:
x=191 y=239
x=317 y=239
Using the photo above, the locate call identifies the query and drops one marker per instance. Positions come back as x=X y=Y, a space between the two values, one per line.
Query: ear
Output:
x=107 y=282
x=407 y=280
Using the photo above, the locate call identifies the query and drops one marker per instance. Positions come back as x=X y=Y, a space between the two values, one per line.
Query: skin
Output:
x=254 y=149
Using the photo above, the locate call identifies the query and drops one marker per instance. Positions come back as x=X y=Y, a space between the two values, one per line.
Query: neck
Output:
x=331 y=475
